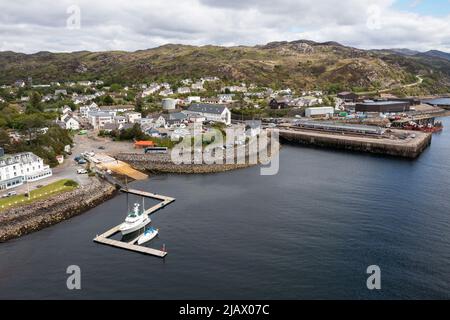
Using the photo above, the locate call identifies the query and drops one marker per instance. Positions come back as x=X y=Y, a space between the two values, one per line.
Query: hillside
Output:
x=300 y=64
x=437 y=54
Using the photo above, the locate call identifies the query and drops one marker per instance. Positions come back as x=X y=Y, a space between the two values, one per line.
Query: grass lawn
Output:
x=39 y=194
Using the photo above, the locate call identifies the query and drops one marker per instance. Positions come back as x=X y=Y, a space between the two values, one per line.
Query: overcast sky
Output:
x=96 y=25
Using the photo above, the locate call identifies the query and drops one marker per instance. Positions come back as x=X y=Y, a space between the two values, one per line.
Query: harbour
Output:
x=397 y=143
x=307 y=233
x=131 y=245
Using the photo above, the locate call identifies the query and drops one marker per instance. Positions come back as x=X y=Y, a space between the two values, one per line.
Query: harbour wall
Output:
x=397 y=148
x=162 y=163
x=23 y=220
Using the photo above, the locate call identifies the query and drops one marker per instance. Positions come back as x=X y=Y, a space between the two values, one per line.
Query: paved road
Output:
x=68 y=170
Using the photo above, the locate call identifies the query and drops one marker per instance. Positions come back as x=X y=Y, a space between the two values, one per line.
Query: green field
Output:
x=39 y=194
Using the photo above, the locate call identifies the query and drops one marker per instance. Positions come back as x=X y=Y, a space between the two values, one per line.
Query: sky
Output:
x=30 y=26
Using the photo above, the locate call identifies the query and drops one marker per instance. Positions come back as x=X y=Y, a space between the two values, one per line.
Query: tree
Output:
x=115 y=87
x=5 y=140
x=32 y=123
x=35 y=101
x=139 y=104
x=108 y=100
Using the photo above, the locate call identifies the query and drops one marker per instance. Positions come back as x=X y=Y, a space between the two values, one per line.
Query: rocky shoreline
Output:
x=162 y=163
x=23 y=220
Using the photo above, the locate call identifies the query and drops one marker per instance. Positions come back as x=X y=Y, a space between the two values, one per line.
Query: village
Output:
x=151 y=118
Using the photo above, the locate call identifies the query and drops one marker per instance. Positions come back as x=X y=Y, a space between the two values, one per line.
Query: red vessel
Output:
x=437 y=127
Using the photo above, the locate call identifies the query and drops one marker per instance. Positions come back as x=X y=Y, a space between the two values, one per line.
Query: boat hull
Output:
x=146 y=238
x=125 y=229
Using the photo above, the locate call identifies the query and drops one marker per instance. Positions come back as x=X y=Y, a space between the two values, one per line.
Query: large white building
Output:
x=18 y=168
x=319 y=112
x=99 y=119
x=133 y=117
x=84 y=110
x=211 y=112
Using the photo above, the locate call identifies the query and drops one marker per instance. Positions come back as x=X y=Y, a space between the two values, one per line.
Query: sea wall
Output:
x=397 y=148
x=162 y=163
x=22 y=220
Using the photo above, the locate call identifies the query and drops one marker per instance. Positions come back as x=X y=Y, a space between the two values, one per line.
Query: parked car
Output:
x=12 y=193
x=82 y=171
x=82 y=161
x=101 y=148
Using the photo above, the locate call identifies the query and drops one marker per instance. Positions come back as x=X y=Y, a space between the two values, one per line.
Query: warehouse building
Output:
x=319 y=112
x=383 y=106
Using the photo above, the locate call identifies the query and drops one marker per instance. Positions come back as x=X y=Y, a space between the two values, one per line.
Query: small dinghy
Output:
x=148 y=235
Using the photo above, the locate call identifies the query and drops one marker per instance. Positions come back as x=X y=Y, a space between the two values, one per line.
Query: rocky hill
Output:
x=298 y=64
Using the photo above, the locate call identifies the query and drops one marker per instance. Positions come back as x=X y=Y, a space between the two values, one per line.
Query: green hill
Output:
x=300 y=65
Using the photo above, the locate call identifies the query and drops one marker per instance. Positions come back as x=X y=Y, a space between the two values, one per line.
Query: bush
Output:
x=70 y=183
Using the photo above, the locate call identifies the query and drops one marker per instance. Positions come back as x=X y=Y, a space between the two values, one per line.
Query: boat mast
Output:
x=128 y=195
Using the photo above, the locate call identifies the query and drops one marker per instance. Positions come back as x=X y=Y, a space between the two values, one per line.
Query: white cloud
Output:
x=31 y=26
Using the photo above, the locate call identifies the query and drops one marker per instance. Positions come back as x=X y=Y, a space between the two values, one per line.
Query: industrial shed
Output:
x=383 y=106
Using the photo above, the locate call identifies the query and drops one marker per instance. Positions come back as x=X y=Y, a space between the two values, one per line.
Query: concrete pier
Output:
x=131 y=246
x=388 y=144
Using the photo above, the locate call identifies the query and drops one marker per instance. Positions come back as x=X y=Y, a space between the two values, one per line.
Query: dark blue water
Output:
x=309 y=232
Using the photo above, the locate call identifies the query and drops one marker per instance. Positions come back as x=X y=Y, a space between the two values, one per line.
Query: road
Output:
x=68 y=170
x=419 y=78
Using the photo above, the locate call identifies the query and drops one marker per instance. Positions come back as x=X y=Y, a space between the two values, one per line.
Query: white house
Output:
x=61 y=92
x=66 y=110
x=117 y=108
x=120 y=120
x=197 y=86
x=84 y=110
x=242 y=89
x=160 y=122
x=99 y=119
x=133 y=117
x=144 y=122
x=18 y=168
x=226 y=98
x=71 y=123
x=191 y=99
x=151 y=90
x=166 y=92
x=211 y=112
x=183 y=90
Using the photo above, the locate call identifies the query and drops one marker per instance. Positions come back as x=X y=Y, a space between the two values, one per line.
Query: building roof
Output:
x=144 y=143
x=118 y=107
x=24 y=157
x=207 y=108
x=100 y=114
x=382 y=103
x=110 y=126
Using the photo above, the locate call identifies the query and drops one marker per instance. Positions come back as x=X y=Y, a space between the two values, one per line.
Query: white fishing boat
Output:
x=135 y=221
x=148 y=235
